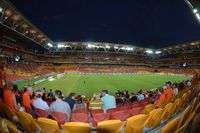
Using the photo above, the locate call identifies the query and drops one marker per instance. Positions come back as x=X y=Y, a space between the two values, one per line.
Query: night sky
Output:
x=146 y=23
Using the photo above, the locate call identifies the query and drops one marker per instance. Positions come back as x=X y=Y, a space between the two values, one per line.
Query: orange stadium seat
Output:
x=135 y=124
x=110 y=126
x=171 y=126
x=76 y=127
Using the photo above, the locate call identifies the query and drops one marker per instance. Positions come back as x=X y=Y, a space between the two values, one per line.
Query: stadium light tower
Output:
x=1 y=9
x=194 y=6
x=158 y=52
x=149 y=51
x=49 y=44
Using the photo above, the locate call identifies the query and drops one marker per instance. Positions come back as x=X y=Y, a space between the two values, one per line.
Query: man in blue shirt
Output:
x=71 y=100
x=108 y=101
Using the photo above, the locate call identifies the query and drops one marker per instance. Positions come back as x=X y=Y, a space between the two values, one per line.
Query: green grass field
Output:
x=96 y=83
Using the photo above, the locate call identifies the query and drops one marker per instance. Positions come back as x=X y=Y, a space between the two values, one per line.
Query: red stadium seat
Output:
x=59 y=117
x=110 y=111
x=95 y=111
x=135 y=105
x=41 y=113
x=120 y=115
x=28 y=109
x=135 y=111
x=80 y=111
x=79 y=117
x=99 y=117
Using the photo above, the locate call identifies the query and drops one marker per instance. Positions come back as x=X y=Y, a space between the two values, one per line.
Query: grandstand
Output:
x=29 y=58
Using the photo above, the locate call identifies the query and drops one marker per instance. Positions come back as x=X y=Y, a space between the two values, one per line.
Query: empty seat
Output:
x=110 y=126
x=186 y=124
x=8 y=127
x=79 y=117
x=42 y=113
x=135 y=111
x=194 y=104
x=95 y=111
x=59 y=117
x=148 y=108
x=51 y=122
x=25 y=123
x=99 y=117
x=45 y=127
x=80 y=111
x=120 y=115
x=154 y=118
x=177 y=105
x=34 y=126
x=135 y=124
x=184 y=116
x=171 y=126
x=168 y=111
x=76 y=127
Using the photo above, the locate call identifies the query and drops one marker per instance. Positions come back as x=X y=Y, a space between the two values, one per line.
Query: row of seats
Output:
x=136 y=123
x=181 y=123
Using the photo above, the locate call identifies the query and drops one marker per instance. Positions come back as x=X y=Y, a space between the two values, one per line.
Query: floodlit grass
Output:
x=89 y=84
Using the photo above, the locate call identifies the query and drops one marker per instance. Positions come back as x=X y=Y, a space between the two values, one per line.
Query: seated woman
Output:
x=79 y=103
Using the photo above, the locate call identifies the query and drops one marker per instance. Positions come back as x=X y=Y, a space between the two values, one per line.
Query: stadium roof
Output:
x=11 y=18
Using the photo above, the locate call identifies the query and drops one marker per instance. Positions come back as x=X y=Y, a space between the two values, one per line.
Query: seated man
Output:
x=108 y=101
x=140 y=96
x=161 y=99
x=9 y=98
x=59 y=105
x=38 y=102
x=168 y=91
x=26 y=97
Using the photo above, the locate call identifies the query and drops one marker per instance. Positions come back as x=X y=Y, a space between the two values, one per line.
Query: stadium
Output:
x=113 y=85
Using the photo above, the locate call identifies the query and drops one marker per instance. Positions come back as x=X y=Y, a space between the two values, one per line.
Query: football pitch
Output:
x=87 y=84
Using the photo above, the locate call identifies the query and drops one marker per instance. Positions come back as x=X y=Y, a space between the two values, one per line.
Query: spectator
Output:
x=9 y=98
x=160 y=100
x=168 y=91
x=26 y=97
x=50 y=94
x=140 y=96
x=79 y=104
x=71 y=100
x=175 y=89
x=108 y=100
x=2 y=81
x=44 y=94
x=95 y=102
x=38 y=102
x=17 y=94
x=59 y=105
x=133 y=97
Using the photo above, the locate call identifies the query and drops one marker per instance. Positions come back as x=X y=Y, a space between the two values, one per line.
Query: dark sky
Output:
x=147 y=23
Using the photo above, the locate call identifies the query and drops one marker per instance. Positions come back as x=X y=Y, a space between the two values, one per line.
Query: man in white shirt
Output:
x=59 y=105
x=108 y=101
x=38 y=102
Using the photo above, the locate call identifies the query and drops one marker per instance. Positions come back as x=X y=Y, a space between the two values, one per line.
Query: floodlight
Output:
x=149 y=51
x=1 y=9
x=195 y=10
x=198 y=16
x=108 y=47
x=158 y=52
x=129 y=49
x=115 y=47
x=60 y=45
x=49 y=44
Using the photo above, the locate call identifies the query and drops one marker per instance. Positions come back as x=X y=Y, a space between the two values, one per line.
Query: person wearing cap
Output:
x=38 y=102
